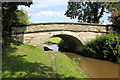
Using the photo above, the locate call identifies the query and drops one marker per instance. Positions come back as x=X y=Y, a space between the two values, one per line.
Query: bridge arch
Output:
x=72 y=43
x=74 y=33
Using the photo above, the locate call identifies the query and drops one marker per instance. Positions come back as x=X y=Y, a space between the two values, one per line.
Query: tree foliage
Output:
x=8 y=9
x=90 y=12
x=8 y=17
x=8 y=13
x=20 y=17
x=115 y=19
x=112 y=6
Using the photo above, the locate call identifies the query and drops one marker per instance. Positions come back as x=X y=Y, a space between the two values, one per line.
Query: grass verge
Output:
x=26 y=61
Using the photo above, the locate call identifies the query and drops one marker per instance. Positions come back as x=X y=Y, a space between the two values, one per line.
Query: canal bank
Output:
x=94 y=68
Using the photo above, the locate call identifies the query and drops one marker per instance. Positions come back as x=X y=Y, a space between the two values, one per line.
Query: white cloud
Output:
x=49 y=13
x=46 y=3
x=47 y=10
x=51 y=2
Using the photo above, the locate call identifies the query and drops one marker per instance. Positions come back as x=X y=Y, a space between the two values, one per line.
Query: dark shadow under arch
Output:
x=72 y=43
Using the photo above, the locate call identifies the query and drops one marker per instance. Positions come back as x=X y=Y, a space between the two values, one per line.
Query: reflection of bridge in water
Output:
x=74 y=34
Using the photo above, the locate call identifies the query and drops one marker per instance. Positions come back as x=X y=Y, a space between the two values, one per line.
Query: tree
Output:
x=8 y=13
x=90 y=12
x=115 y=19
x=112 y=6
x=20 y=18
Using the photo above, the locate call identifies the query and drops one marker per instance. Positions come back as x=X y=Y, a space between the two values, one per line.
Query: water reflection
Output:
x=53 y=47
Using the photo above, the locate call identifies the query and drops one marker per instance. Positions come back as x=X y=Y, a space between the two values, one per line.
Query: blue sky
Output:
x=50 y=11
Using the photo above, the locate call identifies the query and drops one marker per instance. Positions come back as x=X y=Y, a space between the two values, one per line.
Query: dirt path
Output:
x=53 y=57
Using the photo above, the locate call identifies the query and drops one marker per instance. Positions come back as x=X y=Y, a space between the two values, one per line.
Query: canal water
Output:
x=93 y=68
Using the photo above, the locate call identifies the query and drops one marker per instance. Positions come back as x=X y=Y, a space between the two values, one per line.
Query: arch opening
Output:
x=69 y=43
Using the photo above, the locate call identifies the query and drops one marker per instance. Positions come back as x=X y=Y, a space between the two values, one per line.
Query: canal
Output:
x=93 y=68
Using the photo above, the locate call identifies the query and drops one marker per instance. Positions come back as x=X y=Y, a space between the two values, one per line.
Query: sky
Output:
x=51 y=11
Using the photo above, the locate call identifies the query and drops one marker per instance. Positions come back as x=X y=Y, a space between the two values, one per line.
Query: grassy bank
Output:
x=53 y=40
x=26 y=61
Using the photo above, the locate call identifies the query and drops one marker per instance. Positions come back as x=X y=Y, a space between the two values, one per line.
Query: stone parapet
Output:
x=59 y=27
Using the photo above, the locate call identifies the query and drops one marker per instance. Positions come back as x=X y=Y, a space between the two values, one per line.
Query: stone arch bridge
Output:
x=74 y=34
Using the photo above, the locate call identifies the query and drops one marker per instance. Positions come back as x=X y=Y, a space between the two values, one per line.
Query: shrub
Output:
x=106 y=47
